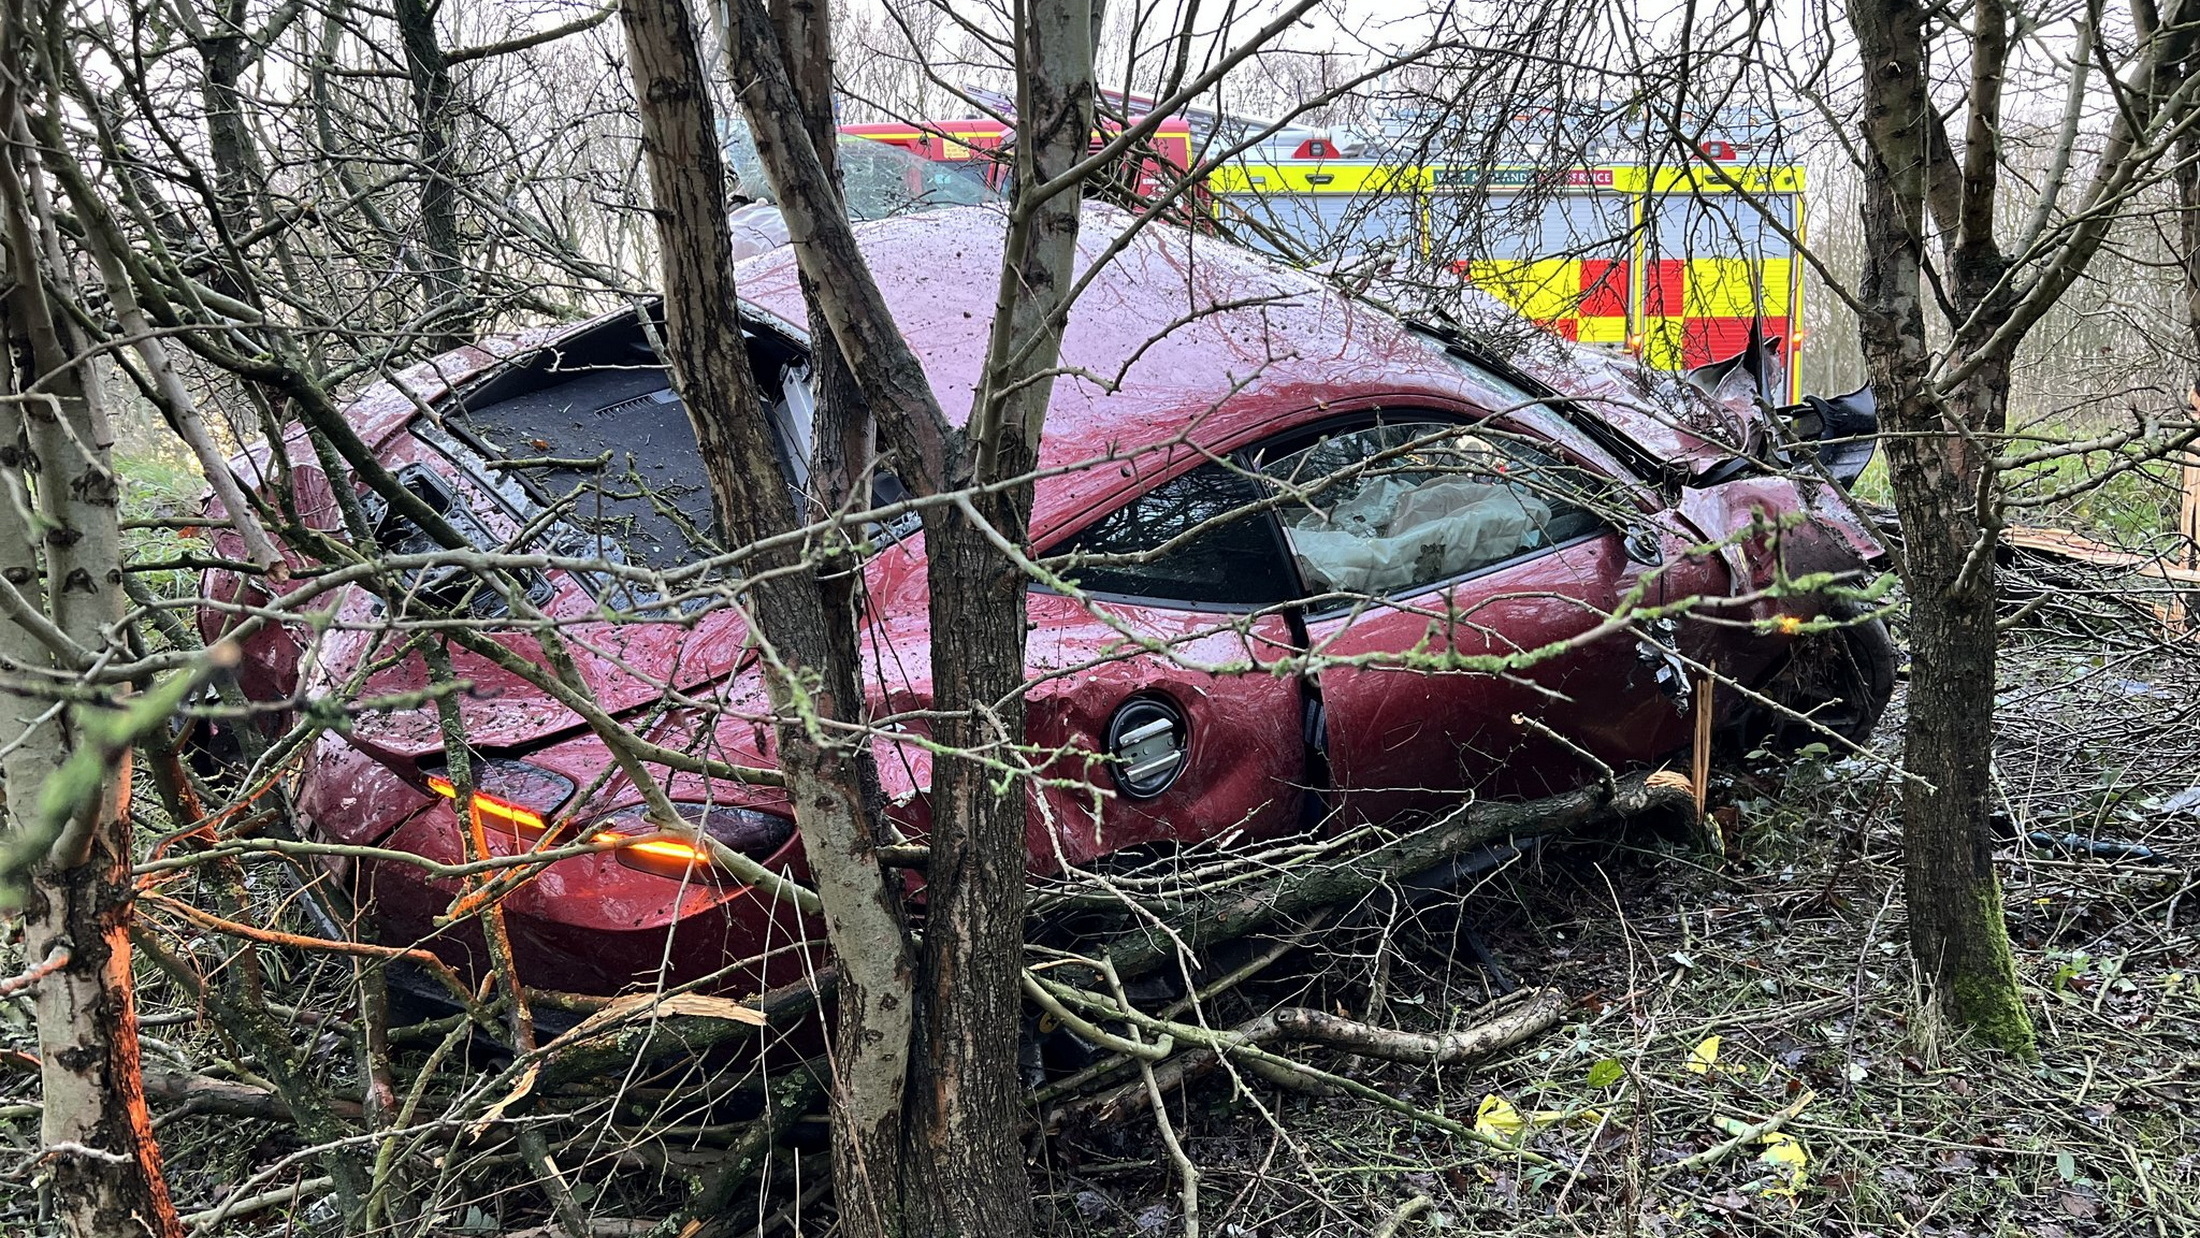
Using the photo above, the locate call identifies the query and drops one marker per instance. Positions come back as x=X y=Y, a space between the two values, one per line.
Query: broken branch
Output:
x=56 y=959
x=1226 y=918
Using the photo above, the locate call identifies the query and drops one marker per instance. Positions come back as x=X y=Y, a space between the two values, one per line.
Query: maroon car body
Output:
x=1191 y=361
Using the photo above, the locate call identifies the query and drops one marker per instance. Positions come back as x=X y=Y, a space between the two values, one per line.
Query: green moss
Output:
x=1982 y=995
x=1989 y=1009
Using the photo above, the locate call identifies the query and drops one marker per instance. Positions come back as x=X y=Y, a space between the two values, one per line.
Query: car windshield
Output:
x=881 y=180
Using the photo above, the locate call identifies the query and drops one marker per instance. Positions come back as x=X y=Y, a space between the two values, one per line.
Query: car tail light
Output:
x=746 y=830
x=511 y=797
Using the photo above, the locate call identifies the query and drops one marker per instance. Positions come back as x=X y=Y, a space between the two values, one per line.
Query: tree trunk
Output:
x=1957 y=932
x=225 y=50
x=1943 y=492
x=447 y=303
x=824 y=775
x=961 y=1162
x=99 y=1149
x=966 y=1168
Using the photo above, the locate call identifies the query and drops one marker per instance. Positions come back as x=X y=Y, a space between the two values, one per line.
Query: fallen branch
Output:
x=1540 y=1011
x=1075 y=1084
x=791 y=1096
x=656 y=1024
x=237 y=1206
x=1500 y=1024
x=204 y=1094
x=1513 y=1023
x=1297 y=892
x=1405 y=1212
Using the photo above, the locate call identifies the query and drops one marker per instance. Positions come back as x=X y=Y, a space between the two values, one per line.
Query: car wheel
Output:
x=1837 y=680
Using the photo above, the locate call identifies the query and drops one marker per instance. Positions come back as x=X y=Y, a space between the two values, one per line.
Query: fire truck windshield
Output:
x=880 y=180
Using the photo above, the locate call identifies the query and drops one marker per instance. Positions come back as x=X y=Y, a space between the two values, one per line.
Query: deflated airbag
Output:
x=1394 y=534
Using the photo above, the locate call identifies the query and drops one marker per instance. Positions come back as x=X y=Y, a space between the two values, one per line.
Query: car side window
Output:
x=1391 y=507
x=1231 y=558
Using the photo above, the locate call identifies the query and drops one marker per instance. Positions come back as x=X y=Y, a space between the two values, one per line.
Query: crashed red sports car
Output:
x=1246 y=470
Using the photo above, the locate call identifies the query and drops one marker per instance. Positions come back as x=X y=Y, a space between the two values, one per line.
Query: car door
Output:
x=1153 y=700
x=1460 y=579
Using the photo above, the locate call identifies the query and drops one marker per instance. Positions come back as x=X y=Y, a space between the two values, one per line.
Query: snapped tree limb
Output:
x=1296 y=892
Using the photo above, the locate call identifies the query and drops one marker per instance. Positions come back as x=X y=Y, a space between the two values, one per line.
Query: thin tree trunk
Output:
x=2187 y=178
x=710 y=365
x=961 y=1163
x=225 y=51
x=843 y=431
x=103 y=1160
x=967 y=1106
x=447 y=302
x=1941 y=482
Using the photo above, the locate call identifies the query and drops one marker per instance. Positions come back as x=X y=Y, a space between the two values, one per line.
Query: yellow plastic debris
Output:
x=1788 y=1162
x=1784 y=1161
x=1495 y=1118
x=1704 y=1056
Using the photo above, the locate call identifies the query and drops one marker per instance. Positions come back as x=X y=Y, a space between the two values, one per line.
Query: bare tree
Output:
x=1939 y=245
x=67 y=761
x=950 y=1163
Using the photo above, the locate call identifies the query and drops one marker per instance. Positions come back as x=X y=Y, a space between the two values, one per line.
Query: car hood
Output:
x=1683 y=426
x=621 y=669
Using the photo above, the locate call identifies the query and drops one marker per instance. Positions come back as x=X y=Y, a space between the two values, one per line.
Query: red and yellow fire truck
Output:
x=1675 y=265
x=1168 y=151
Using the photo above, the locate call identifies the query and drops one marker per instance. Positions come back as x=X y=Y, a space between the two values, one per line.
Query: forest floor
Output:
x=1790 y=952
x=1698 y=990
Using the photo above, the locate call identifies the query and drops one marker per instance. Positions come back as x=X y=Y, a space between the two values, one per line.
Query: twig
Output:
x=1237 y=1046
x=56 y=959
x=1720 y=1151
x=1101 y=1069
x=1086 y=1028
x=1187 y=1173
x=1396 y=1222
x=246 y=1205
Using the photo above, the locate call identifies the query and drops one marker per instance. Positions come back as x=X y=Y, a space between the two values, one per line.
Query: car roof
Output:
x=1181 y=345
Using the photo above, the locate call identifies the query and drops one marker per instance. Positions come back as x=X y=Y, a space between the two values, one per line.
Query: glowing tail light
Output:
x=500 y=815
x=664 y=857
x=756 y=834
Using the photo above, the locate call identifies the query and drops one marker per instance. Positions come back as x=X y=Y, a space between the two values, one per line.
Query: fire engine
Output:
x=1679 y=265
x=978 y=142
